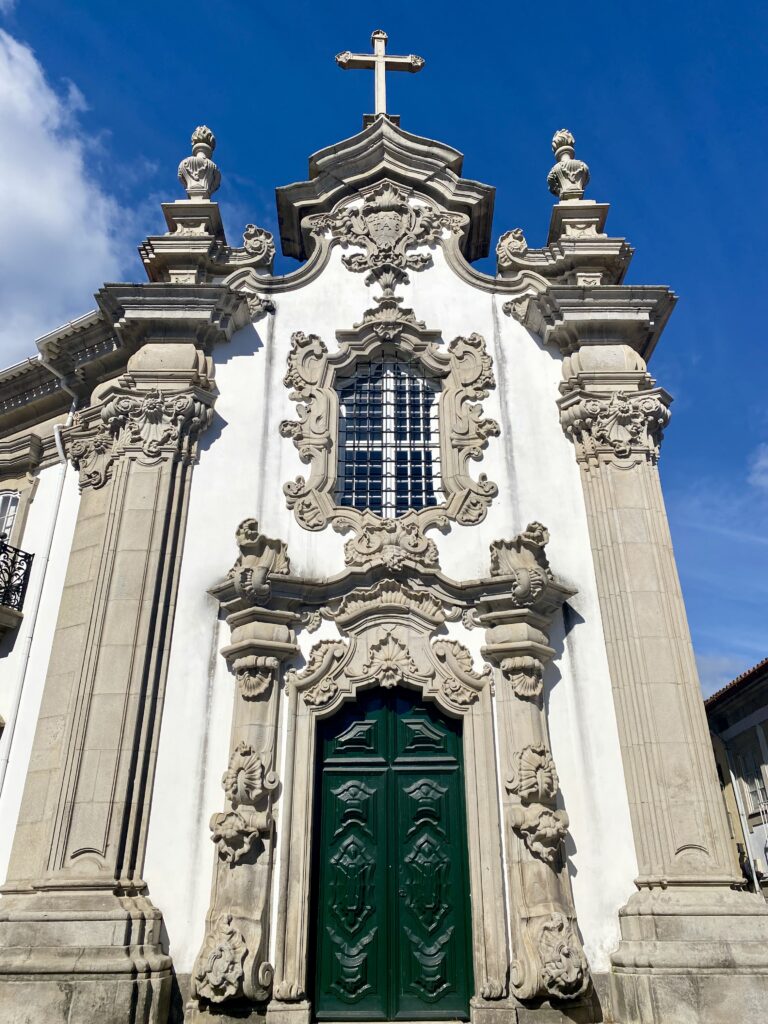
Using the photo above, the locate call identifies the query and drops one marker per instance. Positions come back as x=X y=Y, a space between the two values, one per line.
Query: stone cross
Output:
x=381 y=62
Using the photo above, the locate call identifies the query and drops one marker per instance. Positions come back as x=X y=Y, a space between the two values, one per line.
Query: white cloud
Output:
x=716 y=670
x=62 y=234
x=758 y=468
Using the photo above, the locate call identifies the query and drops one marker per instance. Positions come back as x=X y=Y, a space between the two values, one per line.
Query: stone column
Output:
x=79 y=937
x=548 y=962
x=685 y=930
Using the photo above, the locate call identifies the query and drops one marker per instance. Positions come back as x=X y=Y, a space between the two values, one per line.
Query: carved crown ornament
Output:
x=465 y=375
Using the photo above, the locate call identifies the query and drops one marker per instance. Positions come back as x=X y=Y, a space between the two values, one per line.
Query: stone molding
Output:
x=466 y=375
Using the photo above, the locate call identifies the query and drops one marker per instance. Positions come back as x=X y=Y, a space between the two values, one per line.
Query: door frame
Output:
x=424 y=768
x=389 y=645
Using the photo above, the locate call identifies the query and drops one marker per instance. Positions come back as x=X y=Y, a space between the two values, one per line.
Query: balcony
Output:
x=15 y=566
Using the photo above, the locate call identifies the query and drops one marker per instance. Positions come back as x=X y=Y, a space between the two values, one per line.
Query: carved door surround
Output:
x=389 y=609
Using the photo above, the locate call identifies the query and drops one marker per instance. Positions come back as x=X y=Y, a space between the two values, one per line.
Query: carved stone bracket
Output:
x=619 y=425
x=466 y=375
x=218 y=972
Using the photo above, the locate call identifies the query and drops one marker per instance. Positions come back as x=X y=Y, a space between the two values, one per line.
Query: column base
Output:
x=691 y=956
x=279 y=1012
x=94 y=958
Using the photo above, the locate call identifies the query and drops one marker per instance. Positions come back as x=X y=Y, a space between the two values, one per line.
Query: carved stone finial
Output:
x=198 y=173
x=569 y=177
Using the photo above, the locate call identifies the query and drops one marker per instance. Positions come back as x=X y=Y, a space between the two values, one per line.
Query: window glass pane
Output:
x=389 y=445
x=9 y=502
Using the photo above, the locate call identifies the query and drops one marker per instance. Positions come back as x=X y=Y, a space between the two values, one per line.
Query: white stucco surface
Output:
x=242 y=468
x=14 y=646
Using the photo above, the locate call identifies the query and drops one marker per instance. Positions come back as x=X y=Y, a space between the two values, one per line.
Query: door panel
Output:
x=393 y=938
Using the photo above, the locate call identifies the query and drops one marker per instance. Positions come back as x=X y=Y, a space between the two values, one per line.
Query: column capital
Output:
x=615 y=421
x=155 y=411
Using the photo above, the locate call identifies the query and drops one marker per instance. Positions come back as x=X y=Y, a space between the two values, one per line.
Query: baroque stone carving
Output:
x=260 y=557
x=466 y=375
x=524 y=558
x=564 y=966
x=541 y=828
x=315 y=675
x=149 y=423
x=569 y=177
x=389 y=661
x=198 y=173
x=248 y=785
x=254 y=674
x=525 y=674
x=390 y=542
x=386 y=226
x=218 y=973
x=512 y=243
x=533 y=776
x=620 y=424
x=259 y=243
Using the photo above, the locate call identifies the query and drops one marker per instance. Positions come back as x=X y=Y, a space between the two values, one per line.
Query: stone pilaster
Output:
x=686 y=930
x=234 y=960
x=79 y=936
x=548 y=962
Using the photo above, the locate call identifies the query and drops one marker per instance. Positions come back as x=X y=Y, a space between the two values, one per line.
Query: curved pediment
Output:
x=384 y=150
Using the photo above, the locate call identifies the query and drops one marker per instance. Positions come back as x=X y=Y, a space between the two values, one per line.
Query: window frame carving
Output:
x=464 y=371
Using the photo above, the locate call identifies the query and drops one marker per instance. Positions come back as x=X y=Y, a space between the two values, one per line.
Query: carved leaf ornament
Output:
x=219 y=969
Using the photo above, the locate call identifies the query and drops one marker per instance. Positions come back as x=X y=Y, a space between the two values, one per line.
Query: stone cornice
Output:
x=203 y=314
x=384 y=150
x=20 y=455
x=570 y=316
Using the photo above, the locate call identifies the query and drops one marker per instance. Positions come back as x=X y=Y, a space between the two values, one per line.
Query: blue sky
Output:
x=667 y=103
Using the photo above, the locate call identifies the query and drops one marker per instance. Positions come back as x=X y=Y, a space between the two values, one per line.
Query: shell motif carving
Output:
x=246 y=780
x=533 y=775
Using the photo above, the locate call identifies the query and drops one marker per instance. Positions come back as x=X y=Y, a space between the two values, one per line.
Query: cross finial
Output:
x=380 y=62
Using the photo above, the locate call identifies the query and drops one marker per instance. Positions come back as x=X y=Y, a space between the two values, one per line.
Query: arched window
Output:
x=389 y=443
x=9 y=502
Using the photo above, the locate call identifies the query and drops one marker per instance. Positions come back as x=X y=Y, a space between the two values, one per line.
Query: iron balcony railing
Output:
x=15 y=566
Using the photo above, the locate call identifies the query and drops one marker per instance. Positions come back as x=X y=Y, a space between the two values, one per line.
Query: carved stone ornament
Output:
x=541 y=828
x=386 y=226
x=564 y=967
x=260 y=305
x=259 y=243
x=466 y=376
x=512 y=243
x=525 y=674
x=618 y=425
x=198 y=173
x=255 y=674
x=218 y=972
x=390 y=542
x=524 y=558
x=148 y=423
x=533 y=776
x=260 y=557
x=569 y=177
x=247 y=781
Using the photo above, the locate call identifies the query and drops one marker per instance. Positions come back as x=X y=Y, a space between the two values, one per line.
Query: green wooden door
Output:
x=391 y=877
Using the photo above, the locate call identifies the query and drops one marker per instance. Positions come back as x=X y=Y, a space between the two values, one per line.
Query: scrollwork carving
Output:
x=511 y=244
x=386 y=226
x=389 y=661
x=390 y=542
x=260 y=557
x=259 y=244
x=218 y=972
x=564 y=967
x=151 y=423
x=524 y=558
x=541 y=828
x=246 y=780
x=618 y=425
x=525 y=674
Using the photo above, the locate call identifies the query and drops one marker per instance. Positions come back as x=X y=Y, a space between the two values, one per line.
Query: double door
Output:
x=392 y=936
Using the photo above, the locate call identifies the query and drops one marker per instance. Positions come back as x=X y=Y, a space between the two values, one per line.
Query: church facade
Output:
x=350 y=678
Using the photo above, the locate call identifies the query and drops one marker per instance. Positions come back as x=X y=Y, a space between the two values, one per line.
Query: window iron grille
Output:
x=9 y=503
x=15 y=567
x=389 y=442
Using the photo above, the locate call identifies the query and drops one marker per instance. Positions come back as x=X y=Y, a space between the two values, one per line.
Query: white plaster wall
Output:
x=14 y=646
x=242 y=468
